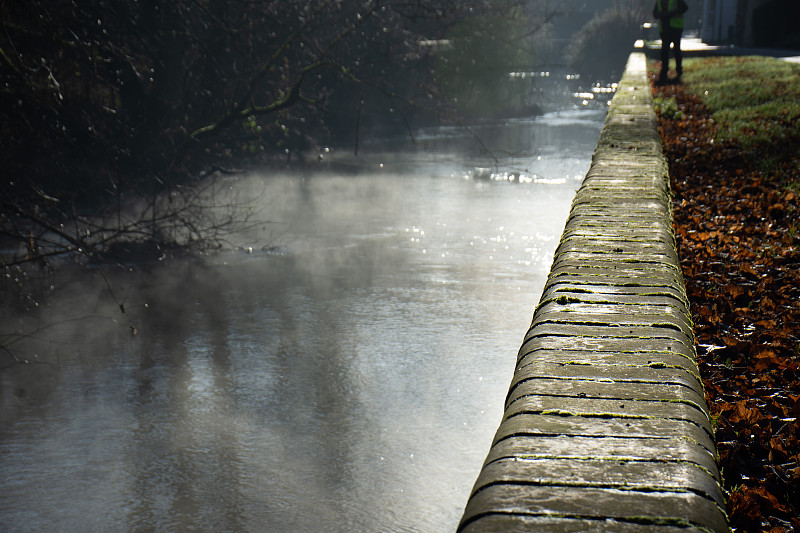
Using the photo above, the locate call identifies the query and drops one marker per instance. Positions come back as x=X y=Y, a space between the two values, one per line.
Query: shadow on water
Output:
x=503 y=146
x=342 y=369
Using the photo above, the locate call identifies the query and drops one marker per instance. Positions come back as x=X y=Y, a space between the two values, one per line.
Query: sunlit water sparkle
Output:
x=348 y=378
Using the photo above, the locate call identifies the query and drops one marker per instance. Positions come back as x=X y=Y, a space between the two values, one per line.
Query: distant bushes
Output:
x=601 y=48
x=474 y=71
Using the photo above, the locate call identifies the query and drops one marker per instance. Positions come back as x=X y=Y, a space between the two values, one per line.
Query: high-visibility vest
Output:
x=674 y=22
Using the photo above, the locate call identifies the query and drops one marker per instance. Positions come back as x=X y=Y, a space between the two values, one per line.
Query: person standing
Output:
x=670 y=26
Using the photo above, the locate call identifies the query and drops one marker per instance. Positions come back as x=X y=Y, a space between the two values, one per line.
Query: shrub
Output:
x=601 y=48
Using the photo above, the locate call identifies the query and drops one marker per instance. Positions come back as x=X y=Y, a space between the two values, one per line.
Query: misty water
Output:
x=343 y=371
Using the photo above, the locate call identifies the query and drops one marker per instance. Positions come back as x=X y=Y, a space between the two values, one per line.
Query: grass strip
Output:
x=755 y=101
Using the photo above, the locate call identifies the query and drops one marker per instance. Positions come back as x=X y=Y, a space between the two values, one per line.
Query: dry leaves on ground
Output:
x=739 y=241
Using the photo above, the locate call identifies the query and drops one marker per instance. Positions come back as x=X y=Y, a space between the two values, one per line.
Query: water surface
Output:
x=348 y=377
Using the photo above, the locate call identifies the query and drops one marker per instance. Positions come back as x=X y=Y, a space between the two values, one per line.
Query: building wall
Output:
x=719 y=19
x=729 y=21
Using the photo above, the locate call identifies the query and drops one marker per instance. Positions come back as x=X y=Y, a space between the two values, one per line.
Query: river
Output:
x=347 y=377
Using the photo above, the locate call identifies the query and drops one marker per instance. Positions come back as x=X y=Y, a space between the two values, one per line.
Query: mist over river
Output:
x=344 y=370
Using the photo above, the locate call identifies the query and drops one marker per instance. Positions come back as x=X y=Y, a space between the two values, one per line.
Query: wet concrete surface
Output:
x=606 y=427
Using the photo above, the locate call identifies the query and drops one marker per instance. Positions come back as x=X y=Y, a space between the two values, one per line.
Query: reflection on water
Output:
x=348 y=378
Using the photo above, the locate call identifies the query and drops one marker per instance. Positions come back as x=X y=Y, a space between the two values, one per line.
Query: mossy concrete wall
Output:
x=606 y=427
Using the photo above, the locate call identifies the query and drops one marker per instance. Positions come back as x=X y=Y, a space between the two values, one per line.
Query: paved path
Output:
x=693 y=46
x=606 y=427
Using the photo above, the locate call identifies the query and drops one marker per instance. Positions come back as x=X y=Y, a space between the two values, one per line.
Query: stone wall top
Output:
x=606 y=427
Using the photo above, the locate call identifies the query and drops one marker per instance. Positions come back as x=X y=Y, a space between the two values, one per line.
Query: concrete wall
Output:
x=719 y=21
x=729 y=21
x=606 y=427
